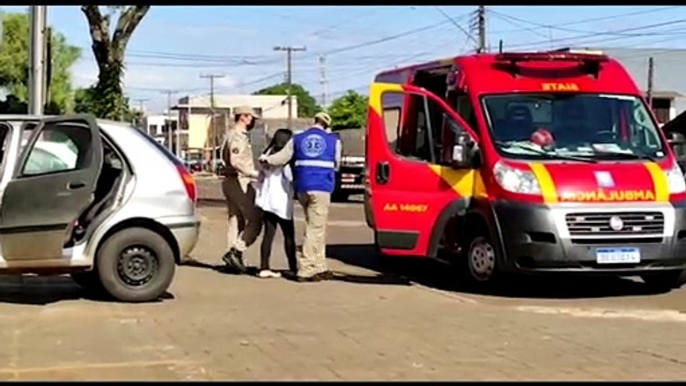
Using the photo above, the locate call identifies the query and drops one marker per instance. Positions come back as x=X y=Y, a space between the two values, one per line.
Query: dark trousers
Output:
x=271 y=221
x=245 y=218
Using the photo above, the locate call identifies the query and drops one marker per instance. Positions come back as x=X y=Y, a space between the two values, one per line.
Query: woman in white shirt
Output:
x=275 y=196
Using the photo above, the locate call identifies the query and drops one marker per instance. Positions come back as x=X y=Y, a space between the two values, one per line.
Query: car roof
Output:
x=105 y=124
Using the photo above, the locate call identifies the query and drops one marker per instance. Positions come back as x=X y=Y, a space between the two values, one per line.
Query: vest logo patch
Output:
x=313 y=145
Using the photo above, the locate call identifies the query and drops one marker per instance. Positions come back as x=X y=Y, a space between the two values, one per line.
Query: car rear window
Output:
x=174 y=159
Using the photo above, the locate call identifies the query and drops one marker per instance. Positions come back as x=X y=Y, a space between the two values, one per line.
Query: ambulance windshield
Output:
x=592 y=126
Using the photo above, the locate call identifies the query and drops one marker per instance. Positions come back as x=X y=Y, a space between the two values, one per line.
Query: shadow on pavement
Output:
x=44 y=290
x=381 y=278
x=431 y=273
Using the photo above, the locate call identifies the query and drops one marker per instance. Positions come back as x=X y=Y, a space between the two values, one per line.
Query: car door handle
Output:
x=383 y=171
x=76 y=185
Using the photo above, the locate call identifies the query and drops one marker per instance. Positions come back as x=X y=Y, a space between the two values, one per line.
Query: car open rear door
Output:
x=409 y=186
x=43 y=199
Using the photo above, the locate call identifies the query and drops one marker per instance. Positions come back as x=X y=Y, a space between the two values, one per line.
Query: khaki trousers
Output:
x=244 y=218
x=312 y=260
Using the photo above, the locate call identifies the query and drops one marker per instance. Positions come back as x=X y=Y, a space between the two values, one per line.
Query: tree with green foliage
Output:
x=349 y=111
x=307 y=105
x=14 y=67
x=109 y=51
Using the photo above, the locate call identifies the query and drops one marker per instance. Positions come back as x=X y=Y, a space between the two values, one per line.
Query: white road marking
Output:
x=644 y=315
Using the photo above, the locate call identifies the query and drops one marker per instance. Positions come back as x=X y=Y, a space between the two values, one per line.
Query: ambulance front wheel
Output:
x=479 y=262
x=665 y=281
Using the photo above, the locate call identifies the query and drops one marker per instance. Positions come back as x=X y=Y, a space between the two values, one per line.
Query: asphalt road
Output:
x=407 y=320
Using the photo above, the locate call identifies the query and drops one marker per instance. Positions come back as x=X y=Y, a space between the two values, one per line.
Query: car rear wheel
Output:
x=665 y=281
x=136 y=265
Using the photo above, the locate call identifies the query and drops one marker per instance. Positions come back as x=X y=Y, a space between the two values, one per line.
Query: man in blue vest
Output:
x=316 y=153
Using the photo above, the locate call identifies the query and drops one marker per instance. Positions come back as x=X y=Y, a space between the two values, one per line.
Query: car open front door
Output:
x=52 y=184
x=410 y=185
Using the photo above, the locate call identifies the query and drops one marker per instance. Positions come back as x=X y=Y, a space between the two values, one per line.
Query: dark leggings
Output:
x=288 y=229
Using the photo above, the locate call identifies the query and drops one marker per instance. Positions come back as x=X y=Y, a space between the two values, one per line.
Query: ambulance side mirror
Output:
x=465 y=153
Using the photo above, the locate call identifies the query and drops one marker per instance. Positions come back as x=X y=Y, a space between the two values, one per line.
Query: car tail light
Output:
x=188 y=182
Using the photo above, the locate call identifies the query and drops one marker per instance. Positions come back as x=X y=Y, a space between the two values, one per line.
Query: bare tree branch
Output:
x=100 y=34
x=126 y=25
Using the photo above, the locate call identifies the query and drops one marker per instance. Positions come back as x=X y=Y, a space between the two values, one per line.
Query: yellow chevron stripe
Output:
x=548 y=189
x=659 y=181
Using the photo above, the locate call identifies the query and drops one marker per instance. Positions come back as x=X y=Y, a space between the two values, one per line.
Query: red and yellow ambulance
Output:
x=544 y=162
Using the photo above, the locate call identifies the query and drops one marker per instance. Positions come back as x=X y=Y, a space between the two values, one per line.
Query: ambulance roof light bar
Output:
x=550 y=56
x=588 y=62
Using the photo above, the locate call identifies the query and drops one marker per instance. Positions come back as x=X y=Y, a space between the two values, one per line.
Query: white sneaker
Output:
x=268 y=274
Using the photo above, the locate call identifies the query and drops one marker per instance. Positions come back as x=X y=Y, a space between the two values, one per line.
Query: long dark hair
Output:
x=279 y=141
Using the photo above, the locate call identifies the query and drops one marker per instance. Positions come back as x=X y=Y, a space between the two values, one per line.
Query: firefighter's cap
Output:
x=245 y=110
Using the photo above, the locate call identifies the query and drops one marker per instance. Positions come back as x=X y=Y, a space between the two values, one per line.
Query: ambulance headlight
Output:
x=675 y=180
x=515 y=180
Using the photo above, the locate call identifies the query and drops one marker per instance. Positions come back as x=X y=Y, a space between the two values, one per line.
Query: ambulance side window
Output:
x=464 y=107
x=413 y=126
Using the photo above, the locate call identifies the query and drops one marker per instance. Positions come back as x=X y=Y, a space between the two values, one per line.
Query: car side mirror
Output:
x=464 y=152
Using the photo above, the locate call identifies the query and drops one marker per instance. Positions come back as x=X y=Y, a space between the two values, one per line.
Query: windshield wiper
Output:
x=553 y=155
x=622 y=155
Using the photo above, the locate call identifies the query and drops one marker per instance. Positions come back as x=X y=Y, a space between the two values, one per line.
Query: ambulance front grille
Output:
x=600 y=224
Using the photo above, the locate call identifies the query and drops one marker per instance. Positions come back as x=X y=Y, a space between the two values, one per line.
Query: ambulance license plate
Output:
x=618 y=255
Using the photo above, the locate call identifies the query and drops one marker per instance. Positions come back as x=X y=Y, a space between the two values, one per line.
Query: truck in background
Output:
x=350 y=176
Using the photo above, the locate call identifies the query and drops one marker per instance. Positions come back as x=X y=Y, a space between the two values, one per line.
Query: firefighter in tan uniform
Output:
x=316 y=153
x=245 y=219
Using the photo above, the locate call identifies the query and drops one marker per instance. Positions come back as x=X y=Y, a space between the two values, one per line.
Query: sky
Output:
x=175 y=45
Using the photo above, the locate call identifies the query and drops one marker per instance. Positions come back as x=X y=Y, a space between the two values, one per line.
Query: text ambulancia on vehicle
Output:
x=527 y=163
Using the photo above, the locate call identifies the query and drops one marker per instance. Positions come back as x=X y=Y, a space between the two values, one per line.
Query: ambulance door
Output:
x=409 y=181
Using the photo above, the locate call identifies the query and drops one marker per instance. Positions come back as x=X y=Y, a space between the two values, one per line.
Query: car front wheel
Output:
x=136 y=265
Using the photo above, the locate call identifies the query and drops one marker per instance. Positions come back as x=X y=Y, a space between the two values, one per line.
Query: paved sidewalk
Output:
x=366 y=326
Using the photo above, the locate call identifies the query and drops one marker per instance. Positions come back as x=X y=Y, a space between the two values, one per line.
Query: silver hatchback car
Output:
x=99 y=200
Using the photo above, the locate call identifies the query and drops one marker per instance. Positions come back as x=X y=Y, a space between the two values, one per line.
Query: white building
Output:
x=157 y=126
x=195 y=115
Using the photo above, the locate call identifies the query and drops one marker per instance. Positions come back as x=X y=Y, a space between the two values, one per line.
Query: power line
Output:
x=389 y=38
x=559 y=28
x=602 y=18
x=596 y=34
x=455 y=23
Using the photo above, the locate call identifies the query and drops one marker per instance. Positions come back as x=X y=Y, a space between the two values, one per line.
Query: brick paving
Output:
x=369 y=325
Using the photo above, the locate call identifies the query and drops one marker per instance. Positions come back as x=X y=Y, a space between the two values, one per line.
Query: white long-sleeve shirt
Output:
x=275 y=191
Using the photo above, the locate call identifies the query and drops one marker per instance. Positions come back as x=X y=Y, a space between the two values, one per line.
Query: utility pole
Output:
x=651 y=69
x=213 y=134
x=141 y=107
x=289 y=78
x=37 y=16
x=170 y=135
x=481 y=25
x=323 y=81
x=141 y=104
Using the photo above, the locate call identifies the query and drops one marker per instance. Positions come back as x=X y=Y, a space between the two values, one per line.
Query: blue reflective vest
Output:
x=315 y=155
